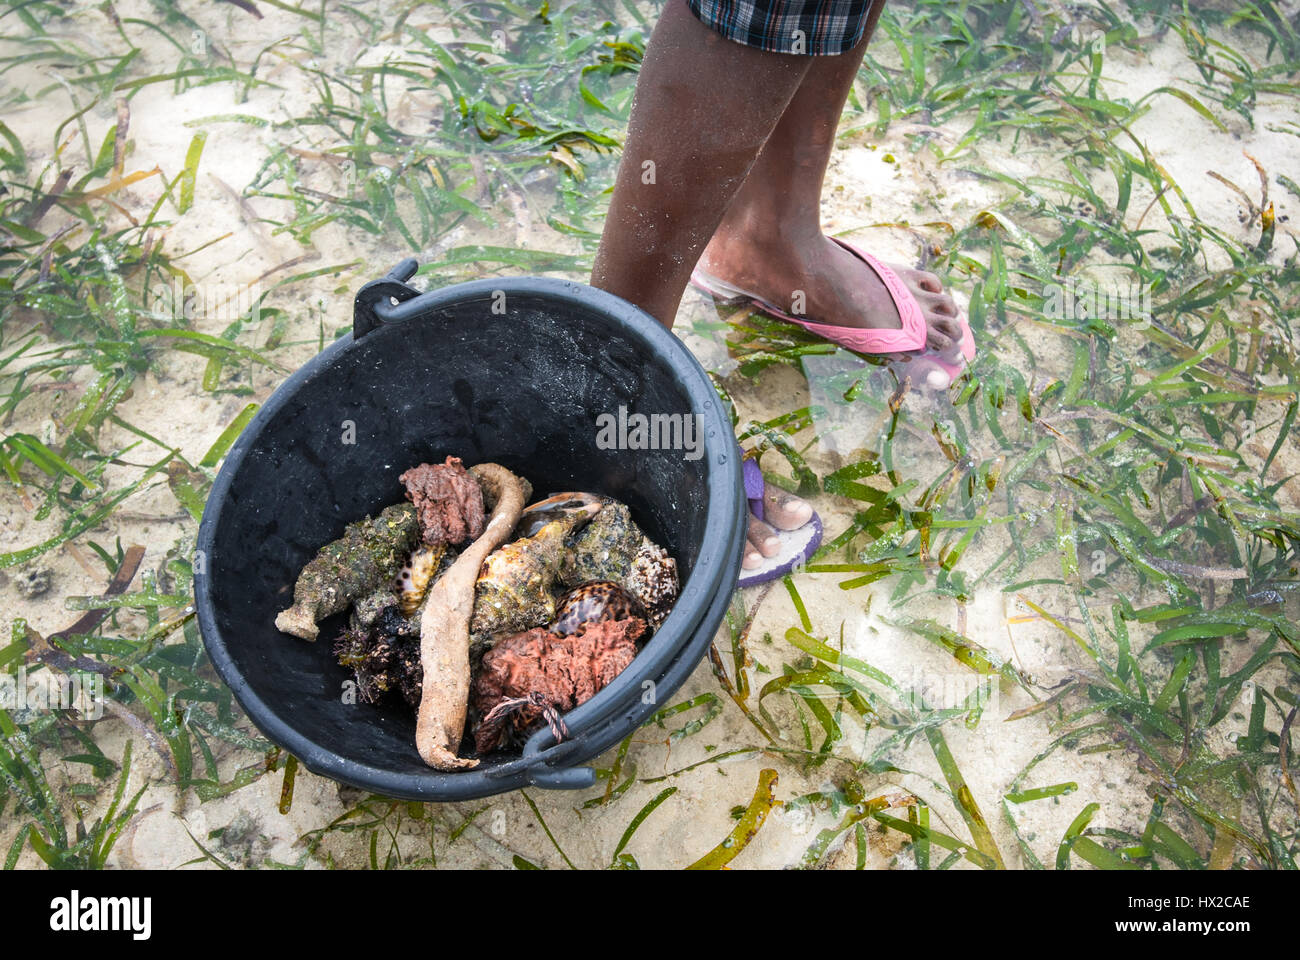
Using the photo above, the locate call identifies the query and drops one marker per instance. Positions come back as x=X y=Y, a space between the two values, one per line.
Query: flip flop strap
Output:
x=753 y=476
x=910 y=337
x=910 y=314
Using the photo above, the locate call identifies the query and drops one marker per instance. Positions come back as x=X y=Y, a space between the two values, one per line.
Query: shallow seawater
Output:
x=1053 y=619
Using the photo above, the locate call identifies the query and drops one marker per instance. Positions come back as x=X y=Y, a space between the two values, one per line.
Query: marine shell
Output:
x=367 y=610
x=417 y=575
x=613 y=547
x=653 y=581
x=365 y=558
x=514 y=588
x=593 y=603
x=605 y=548
x=556 y=507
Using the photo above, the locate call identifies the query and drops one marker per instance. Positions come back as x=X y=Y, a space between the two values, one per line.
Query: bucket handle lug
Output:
x=542 y=765
x=374 y=297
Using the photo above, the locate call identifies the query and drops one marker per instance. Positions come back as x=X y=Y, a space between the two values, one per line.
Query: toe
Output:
x=923 y=280
x=942 y=305
x=943 y=326
x=784 y=510
x=752 y=558
x=924 y=372
x=762 y=538
x=938 y=341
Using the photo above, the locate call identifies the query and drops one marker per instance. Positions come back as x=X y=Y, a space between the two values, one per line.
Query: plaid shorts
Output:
x=812 y=27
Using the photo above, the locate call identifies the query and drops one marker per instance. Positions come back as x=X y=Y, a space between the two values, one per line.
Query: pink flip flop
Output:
x=909 y=339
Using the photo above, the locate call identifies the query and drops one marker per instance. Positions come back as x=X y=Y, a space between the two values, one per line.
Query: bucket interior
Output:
x=522 y=388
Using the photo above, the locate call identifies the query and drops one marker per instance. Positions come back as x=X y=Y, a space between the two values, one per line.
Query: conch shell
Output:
x=515 y=588
x=367 y=556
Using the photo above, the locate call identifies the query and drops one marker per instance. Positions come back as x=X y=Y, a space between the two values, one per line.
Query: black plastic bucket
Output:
x=508 y=370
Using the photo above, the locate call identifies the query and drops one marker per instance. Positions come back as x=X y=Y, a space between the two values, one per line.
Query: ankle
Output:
x=769 y=235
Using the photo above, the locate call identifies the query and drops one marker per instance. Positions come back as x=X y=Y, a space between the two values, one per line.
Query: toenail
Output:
x=937 y=380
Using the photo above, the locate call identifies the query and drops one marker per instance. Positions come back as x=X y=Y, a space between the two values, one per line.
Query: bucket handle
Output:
x=377 y=293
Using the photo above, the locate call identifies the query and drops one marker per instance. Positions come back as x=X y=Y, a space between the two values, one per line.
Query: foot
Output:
x=784 y=511
x=837 y=287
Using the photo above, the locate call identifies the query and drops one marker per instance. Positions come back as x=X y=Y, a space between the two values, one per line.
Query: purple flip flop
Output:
x=796 y=545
